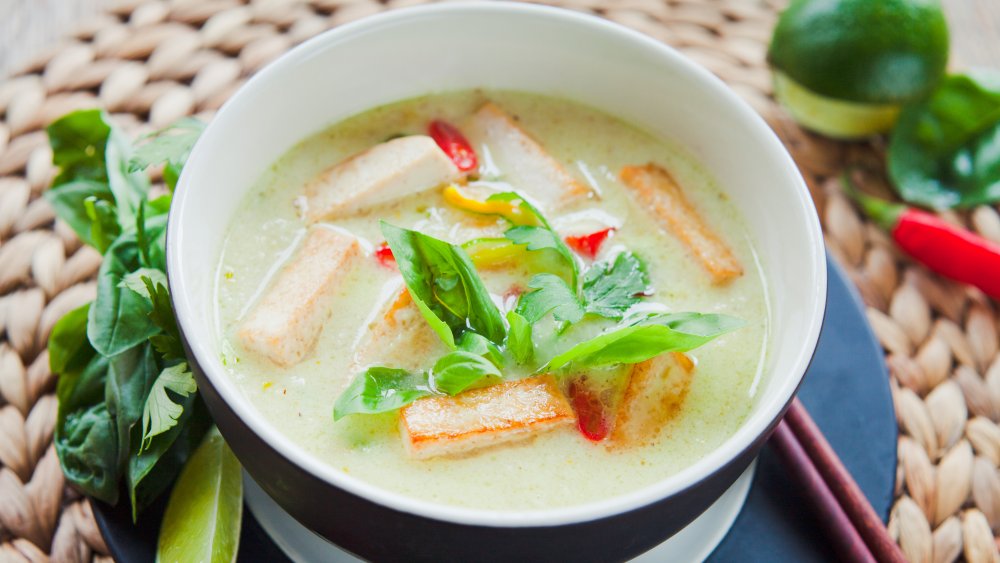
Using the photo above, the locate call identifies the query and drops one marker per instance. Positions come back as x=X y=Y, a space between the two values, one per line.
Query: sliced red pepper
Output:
x=589 y=245
x=591 y=417
x=454 y=144
x=384 y=255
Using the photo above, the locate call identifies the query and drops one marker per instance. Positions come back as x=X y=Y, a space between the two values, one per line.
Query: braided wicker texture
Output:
x=150 y=62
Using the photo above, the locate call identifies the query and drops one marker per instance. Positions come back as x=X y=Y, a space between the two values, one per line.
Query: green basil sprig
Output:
x=128 y=411
x=945 y=149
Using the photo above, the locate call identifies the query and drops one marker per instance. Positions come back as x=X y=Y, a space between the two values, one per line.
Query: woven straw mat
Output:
x=151 y=62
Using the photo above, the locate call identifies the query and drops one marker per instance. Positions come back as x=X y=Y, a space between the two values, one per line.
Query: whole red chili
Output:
x=453 y=143
x=592 y=420
x=951 y=251
x=588 y=245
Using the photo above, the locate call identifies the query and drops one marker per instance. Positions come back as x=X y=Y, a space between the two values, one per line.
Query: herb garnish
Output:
x=128 y=407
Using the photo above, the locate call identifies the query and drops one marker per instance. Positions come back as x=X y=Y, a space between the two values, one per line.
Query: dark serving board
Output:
x=846 y=390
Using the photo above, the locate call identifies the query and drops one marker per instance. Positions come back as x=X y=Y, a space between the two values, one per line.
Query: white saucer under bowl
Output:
x=692 y=544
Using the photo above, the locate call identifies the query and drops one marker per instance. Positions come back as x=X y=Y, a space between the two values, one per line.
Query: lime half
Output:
x=205 y=511
x=831 y=117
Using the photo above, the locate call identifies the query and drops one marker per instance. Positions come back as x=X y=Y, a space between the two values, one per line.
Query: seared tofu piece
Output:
x=655 y=393
x=659 y=192
x=399 y=336
x=284 y=324
x=502 y=413
x=523 y=162
x=387 y=171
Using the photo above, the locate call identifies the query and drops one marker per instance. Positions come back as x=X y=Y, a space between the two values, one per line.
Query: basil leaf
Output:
x=104 y=227
x=170 y=146
x=131 y=375
x=69 y=349
x=457 y=371
x=610 y=288
x=544 y=238
x=78 y=142
x=650 y=337
x=119 y=319
x=160 y=412
x=136 y=281
x=519 y=340
x=129 y=187
x=444 y=284
x=68 y=203
x=381 y=389
x=945 y=149
x=480 y=345
x=551 y=294
x=85 y=437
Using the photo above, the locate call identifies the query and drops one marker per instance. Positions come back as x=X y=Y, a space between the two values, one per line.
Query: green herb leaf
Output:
x=131 y=375
x=170 y=146
x=551 y=294
x=544 y=238
x=160 y=412
x=78 y=142
x=480 y=345
x=945 y=149
x=645 y=339
x=610 y=288
x=104 y=227
x=69 y=349
x=381 y=389
x=86 y=438
x=136 y=282
x=444 y=284
x=119 y=319
x=68 y=202
x=519 y=341
x=457 y=371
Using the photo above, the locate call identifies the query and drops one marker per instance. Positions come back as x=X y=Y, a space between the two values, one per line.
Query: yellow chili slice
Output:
x=492 y=252
x=507 y=209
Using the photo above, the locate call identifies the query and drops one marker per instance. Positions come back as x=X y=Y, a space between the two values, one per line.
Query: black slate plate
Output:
x=846 y=390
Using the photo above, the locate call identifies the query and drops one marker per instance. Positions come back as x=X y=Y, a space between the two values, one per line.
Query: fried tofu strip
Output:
x=284 y=325
x=387 y=171
x=524 y=163
x=399 y=336
x=655 y=392
x=660 y=193
x=503 y=413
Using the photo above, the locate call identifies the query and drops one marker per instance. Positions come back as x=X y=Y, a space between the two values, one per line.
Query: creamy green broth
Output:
x=559 y=468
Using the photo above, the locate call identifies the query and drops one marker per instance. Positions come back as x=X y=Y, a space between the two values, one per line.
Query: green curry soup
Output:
x=544 y=466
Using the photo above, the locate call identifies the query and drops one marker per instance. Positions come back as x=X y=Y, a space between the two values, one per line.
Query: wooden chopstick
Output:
x=848 y=495
x=847 y=542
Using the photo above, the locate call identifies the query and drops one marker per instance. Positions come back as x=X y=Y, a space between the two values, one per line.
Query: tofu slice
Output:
x=655 y=392
x=387 y=171
x=522 y=161
x=500 y=414
x=284 y=324
x=659 y=192
x=399 y=336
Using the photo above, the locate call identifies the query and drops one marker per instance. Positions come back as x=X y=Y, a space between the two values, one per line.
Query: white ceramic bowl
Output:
x=444 y=47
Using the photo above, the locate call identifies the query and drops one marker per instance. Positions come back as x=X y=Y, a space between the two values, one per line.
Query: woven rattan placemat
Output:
x=150 y=62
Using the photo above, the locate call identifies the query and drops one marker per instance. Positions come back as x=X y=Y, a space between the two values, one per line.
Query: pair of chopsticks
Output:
x=855 y=530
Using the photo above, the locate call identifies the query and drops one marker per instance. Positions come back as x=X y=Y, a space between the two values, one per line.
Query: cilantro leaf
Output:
x=160 y=412
x=457 y=371
x=381 y=389
x=610 y=288
x=170 y=146
x=551 y=294
x=135 y=282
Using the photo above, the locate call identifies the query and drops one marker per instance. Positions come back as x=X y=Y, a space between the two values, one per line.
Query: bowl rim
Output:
x=758 y=423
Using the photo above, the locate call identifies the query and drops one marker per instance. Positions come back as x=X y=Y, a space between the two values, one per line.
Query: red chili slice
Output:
x=588 y=245
x=453 y=143
x=592 y=420
x=384 y=255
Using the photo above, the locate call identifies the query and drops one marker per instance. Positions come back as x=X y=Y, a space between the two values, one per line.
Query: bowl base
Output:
x=694 y=543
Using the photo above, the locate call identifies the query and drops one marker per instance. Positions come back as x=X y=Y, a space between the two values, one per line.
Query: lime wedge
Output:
x=202 y=522
x=834 y=118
